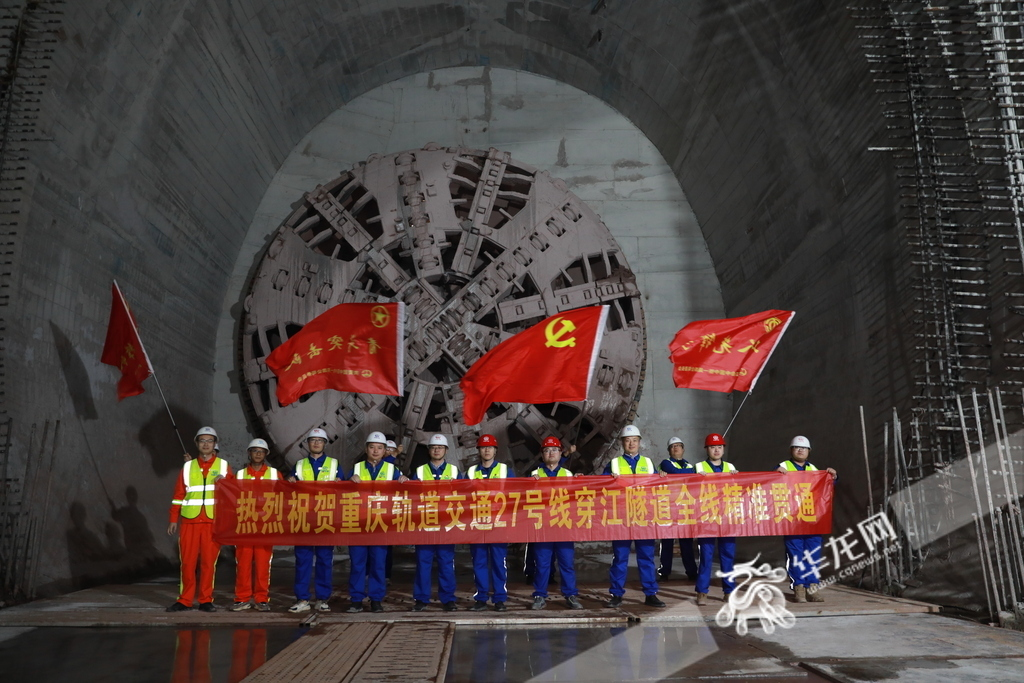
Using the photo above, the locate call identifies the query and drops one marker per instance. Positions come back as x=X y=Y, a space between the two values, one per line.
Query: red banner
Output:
x=123 y=348
x=522 y=510
x=550 y=361
x=726 y=355
x=350 y=347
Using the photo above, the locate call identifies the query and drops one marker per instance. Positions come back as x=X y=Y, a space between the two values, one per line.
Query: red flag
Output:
x=551 y=361
x=726 y=355
x=350 y=347
x=123 y=348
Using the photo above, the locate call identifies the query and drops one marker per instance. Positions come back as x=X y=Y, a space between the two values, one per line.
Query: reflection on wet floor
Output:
x=140 y=655
x=627 y=653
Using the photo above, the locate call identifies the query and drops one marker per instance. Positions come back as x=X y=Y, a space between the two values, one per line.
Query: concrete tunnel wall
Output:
x=169 y=120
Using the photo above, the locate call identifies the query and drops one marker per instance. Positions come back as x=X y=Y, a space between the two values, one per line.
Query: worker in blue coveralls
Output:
x=315 y=467
x=675 y=463
x=803 y=553
x=436 y=469
x=628 y=464
x=564 y=551
x=714 y=445
x=490 y=567
x=367 y=574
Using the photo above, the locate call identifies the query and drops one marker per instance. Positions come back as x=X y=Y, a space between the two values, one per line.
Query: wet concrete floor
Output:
x=853 y=637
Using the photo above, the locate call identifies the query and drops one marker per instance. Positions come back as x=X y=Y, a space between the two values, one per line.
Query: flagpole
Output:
x=745 y=397
x=131 y=320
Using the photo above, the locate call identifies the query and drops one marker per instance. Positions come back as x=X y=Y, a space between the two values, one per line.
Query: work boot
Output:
x=322 y=606
x=262 y=606
x=702 y=599
x=419 y=606
x=375 y=606
x=450 y=606
x=240 y=606
x=355 y=607
x=300 y=606
x=478 y=606
x=179 y=607
x=814 y=593
x=207 y=607
x=500 y=607
x=799 y=593
x=573 y=602
x=616 y=601
x=539 y=602
x=653 y=601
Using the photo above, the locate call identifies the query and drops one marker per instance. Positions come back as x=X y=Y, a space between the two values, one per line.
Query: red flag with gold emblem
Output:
x=123 y=348
x=351 y=347
x=551 y=361
x=726 y=355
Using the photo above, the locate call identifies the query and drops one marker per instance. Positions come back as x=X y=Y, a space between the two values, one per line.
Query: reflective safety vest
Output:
x=329 y=471
x=386 y=472
x=199 y=488
x=424 y=473
x=560 y=472
x=643 y=466
x=704 y=467
x=270 y=475
x=500 y=471
x=791 y=466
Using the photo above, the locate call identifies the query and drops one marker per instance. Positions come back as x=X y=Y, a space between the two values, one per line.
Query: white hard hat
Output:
x=438 y=440
x=800 y=442
x=674 y=440
x=258 y=443
x=206 y=431
x=391 y=444
x=316 y=434
x=629 y=430
x=376 y=437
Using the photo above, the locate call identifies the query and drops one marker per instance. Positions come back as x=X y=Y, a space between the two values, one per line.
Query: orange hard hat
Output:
x=486 y=440
x=714 y=440
x=551 y=442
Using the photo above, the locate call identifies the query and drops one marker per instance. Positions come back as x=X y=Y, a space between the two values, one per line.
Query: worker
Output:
x=714 y=445
x=317 y=466
x=490 y=567
x=436 y=469
x=367 y=576
x=391 y=455
x=803 y=553
x=254 y=559
x=193 y=505
x=675 y=463
x=628 y=464
x=564 y=551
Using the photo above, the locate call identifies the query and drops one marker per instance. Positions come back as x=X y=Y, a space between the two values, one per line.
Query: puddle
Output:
x=140 y=655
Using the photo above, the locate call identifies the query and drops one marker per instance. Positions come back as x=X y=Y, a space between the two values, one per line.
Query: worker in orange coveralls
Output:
x=254 y=559
x=193 y=506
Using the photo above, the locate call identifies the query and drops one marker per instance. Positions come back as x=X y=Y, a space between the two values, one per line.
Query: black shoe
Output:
x=662 y=575
x=653 y=601
x=375 y=606
x=179 y=607
x=499 y=607
x=419 y=606
x=573 y=602
x=207 y=607
x=355 y=607
x=478 y=606
x=616 y=601
x=450 y=607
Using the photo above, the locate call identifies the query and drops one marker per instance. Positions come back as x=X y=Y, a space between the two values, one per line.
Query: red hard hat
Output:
x=486 y=440
x=714 y=440
x=551 y=442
